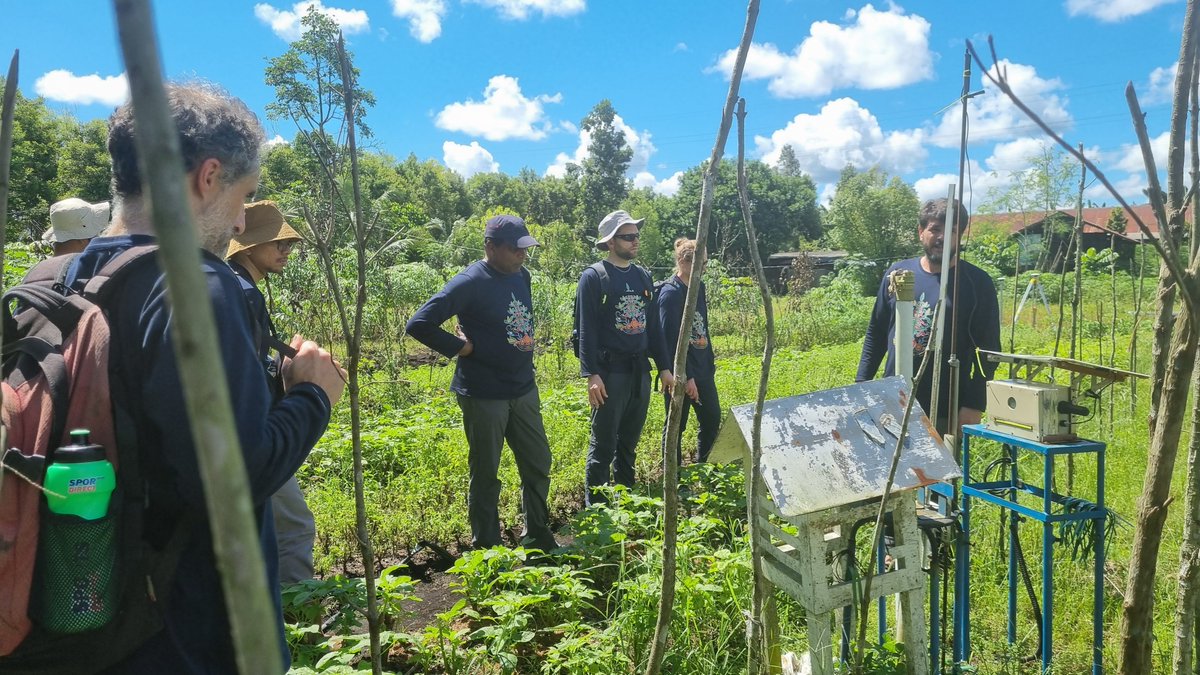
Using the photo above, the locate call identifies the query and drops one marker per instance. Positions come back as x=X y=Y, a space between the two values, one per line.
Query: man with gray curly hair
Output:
x=220 y=140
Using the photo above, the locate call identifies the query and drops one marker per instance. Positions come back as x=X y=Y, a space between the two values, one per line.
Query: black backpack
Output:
x=57 y=375
x=606 y=296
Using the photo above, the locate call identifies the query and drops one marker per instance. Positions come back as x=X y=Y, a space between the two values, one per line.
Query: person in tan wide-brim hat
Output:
x=262 y=249
x=264 y=246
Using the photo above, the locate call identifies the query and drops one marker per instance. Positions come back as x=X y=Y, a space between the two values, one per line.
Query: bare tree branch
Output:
x=666 y=604
x=1000 y=79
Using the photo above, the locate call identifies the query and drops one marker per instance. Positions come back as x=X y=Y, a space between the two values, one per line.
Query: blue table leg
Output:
x=1098 y=591
x=1047 y=566
x=935 y=619
x=1012 y=547
x=962 y=573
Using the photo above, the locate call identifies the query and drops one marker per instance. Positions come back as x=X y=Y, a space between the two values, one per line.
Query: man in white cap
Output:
x=262 y=249
x=73 y=223
x=616 y=333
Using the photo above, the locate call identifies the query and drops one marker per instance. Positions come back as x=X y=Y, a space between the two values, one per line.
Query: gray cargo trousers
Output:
x=488 y=423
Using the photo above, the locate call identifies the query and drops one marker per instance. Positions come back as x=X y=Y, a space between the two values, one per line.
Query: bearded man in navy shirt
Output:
x=978 y=325
x=493 y=378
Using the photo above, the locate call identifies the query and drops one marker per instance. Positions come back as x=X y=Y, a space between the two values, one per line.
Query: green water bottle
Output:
x=80 y=479
x=77 y=588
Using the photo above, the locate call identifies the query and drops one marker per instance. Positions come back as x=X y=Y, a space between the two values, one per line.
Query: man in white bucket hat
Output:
x=73 y=223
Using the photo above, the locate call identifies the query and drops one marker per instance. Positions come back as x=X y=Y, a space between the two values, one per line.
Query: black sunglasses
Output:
x=632 y=236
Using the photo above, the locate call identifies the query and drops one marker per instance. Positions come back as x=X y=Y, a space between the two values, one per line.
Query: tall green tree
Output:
x=874 y=217
x=308 y=93
x=603 y=170
x=436 y=190
x=555 y=199
x=83 y=168
x=35 y=147
x=785 y=211
x=788 y=164
x=316 y=88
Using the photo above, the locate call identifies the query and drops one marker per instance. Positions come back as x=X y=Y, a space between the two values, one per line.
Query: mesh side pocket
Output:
x=76 y=573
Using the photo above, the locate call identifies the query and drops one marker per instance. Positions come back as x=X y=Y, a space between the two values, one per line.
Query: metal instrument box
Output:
x=1029 y=410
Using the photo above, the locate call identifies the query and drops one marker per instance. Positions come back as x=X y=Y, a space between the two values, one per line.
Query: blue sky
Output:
x=486 y=85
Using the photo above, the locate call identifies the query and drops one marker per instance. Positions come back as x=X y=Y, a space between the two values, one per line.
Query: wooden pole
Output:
x=7 y=110
x=666 y=603
x=762 y=628
x=222 y=468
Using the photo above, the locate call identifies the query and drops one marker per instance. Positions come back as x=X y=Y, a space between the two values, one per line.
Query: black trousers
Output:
x=708 y=415
x=616 y=428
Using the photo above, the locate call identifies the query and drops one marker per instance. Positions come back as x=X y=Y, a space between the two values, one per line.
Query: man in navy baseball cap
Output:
x=493 y=379
x=509 y=229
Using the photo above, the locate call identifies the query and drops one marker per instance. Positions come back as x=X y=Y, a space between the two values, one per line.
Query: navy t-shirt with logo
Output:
x=616 y=334
x=495 y=311
x=701 y=362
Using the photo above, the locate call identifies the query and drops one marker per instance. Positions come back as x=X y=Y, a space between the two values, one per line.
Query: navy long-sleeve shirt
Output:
x=496 y=312
x=618 y=334
x=978 y=328
x=701 y=361
x=275 y=439
x=263 y=327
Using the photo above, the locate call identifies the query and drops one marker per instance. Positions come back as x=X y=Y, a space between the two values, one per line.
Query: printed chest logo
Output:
x=922 y=324
x=518 y=323
x=630 y=316
x=699 y=338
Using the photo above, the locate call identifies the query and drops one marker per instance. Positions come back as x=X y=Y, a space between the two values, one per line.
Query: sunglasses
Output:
x=285 y=246
x=631 y=237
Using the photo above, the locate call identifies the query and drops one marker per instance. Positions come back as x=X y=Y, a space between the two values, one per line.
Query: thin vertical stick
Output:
x=864 y=609
x=7 y=110
x=761 y=637
x=222 y=468
x=1112 y=328
x=354 y=347
x=666 y=603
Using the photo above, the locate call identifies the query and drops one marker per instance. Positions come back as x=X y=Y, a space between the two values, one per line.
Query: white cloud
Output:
x=67 y=87
x=639 y=143
x=275 y=142
x=1112 y=10
x=1160 y=88
x=666 y=187
x=680 y=47
x=503 y=113
x=1129 y=156
x=1000 y=171
x=424 y=17
x=879 y=50
x=993 y=116
x=468 y=160
x=843 y=133
x=1016 y=155
x=286 y=23
x=521 y=9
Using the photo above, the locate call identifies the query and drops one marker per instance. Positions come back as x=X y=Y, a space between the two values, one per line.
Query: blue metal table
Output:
x=1004 y=493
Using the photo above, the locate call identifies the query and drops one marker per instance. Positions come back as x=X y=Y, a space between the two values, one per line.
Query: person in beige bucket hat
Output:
x=262 y=249
x=265 y=245
x=73 y=223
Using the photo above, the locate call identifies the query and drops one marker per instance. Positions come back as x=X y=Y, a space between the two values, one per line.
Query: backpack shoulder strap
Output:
x=100 y=286
x=605 y=282
x=647 y=280
x=49 y=270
